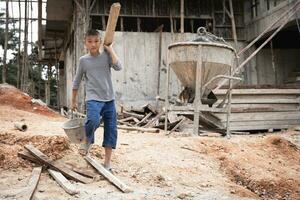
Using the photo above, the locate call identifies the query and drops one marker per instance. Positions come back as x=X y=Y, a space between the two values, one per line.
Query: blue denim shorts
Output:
x=105 y=111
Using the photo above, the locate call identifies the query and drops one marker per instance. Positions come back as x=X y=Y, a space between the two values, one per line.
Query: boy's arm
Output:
x=76 y=83
x=74 y=100
x=116 y=64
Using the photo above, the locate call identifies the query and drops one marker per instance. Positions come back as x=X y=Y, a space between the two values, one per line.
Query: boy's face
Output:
x=92 y=43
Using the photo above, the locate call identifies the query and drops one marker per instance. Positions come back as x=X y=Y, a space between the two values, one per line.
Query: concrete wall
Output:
x=285 y=63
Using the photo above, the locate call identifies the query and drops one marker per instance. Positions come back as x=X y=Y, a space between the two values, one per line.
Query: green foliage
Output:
x=12 y=34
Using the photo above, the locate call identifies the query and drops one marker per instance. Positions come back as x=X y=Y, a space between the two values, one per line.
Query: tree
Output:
x=8 y=40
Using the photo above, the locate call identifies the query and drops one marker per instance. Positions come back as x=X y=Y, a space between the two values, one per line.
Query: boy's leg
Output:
x=93 y=120
x=110 y=131
x=108 y=152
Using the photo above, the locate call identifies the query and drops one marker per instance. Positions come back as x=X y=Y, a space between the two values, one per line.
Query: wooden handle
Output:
x=111 y=23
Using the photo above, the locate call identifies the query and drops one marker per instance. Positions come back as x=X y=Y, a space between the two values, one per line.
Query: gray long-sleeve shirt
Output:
x=97 y=72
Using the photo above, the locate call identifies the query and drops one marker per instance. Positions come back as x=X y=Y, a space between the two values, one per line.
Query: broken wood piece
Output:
x=150 y=130
x=57 y=166
x=126 y=119
x=173 y=117
x=33 y=182
x=109 y=176
x=144 y=119
x=152 y=122
x=111 y=23
x=63 y=182
x=177 y=125
x=130 y=114
x=136 y=120
x=25 y=154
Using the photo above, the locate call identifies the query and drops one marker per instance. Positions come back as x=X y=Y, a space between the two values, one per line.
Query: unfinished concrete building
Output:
x=269 y=92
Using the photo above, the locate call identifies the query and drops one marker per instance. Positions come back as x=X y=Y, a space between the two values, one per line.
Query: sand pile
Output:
x=10 y=144
x=9 y=95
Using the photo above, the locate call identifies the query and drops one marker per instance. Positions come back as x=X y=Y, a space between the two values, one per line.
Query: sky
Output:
x=32 y=27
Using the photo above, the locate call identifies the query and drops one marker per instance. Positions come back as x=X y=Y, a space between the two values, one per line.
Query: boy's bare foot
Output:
x=108 y=168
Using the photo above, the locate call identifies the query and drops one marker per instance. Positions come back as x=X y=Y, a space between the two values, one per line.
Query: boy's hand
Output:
x=108 y=48
x=74 y=105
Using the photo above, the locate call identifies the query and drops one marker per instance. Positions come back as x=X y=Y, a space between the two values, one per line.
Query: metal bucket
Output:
x=74 y=128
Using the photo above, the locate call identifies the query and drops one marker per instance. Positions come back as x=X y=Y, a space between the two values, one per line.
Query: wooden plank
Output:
x=151 y=123
x=265 y=107
x=26 y=155
x=259 y=91
x=177 y=125
x=57 y=166
x=63 y=182
x=111 y=23
x=261 y=116
x=260 y=127
x=32 y=184
x=144 y=119
x=150 y=130
x=263 y=101
x=130 y=114
x=109 y=176
x=200 y=107
x=126 y=119
x=266 y=122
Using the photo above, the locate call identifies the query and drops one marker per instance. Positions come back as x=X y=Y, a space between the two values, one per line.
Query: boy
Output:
x=100 y=103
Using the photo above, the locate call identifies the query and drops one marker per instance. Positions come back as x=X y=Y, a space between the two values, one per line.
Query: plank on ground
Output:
x=63 y=182
x=57 y=166
x=109 y=176
x=25 y=154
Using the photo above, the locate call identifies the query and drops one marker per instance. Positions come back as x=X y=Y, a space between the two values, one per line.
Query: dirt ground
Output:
x=155 y=166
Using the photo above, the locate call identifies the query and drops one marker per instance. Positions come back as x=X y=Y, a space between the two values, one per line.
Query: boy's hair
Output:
x=92 y=32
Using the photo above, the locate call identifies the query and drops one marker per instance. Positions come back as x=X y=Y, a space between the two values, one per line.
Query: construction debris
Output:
x=20 y=126
x=147 y=119
x=57 y=166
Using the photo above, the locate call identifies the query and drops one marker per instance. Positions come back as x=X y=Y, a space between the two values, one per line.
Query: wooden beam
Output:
x=182 y=16
x=234 y=35
x=149 y=130
x=28 y=156
x=103 y=23
x=144 y=119
x=151 y=123
x=40 y=29
x=109 y=176
x=33 y=182
x=63 y=182
x=177 y=125
x=111 y=23
x=57 y=166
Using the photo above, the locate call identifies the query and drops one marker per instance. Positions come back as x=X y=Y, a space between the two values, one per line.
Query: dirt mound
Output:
x=9 y=95
x=268 y=167
x=11 y=144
